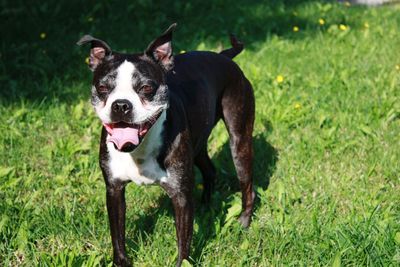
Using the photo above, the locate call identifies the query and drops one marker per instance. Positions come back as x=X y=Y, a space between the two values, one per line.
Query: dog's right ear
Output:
x=99 y=50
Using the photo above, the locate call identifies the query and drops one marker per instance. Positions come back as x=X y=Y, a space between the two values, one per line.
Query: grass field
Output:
x=327 y=135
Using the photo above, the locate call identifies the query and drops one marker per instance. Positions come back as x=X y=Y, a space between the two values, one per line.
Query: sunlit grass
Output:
x=326 y=135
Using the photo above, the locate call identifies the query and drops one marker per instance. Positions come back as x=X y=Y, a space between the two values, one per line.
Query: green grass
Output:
x=327 y=137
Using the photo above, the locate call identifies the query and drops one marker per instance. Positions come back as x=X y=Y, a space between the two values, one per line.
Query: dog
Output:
x=158 y=111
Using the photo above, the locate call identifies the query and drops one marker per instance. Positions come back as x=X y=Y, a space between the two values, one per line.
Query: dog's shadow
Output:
x=210 y=219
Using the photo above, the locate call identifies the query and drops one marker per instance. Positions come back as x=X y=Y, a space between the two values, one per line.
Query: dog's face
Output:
x=129 y=90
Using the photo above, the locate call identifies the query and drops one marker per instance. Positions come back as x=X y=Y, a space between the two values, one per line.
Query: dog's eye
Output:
x=102 y=89
x=146 y=89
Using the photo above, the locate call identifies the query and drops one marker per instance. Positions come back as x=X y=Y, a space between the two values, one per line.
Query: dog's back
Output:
x=199 y=79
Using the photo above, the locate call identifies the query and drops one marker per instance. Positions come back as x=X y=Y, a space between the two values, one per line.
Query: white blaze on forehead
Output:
x=124 y=76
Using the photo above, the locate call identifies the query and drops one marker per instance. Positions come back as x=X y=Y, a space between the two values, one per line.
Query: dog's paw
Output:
x=245 y=219
x=245 y=216
x=122 y=262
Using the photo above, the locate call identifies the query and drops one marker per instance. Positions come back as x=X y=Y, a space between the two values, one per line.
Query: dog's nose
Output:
x=121 y=106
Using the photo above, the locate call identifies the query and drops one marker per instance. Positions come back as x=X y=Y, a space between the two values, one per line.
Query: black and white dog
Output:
x=158 y=111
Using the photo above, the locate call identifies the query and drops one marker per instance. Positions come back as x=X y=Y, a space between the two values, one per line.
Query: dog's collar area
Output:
x=127 y=136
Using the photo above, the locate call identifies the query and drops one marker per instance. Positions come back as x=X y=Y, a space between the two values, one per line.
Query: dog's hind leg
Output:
x=207 y=169
x=238 y=114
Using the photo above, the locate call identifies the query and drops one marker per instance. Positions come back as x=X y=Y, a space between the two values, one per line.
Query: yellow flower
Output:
x=397 y=67
x=43 y=35
x=87 y=60
x=343 y=27
x=297 y=106
x=279 y=78
x=182 y=51
x=200 y=186
x=321 y=21
x=347 y=3
x=366 y=25
x=296 y=29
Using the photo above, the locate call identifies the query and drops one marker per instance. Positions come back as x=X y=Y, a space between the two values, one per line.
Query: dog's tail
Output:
x=237 y=47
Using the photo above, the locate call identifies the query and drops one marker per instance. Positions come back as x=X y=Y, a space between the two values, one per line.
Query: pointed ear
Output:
x=99 y=50
x=160 y=49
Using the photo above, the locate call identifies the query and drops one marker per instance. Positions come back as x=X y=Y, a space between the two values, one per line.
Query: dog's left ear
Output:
x=160 y=49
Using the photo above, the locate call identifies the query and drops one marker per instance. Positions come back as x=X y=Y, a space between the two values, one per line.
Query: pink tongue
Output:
x=121 y=135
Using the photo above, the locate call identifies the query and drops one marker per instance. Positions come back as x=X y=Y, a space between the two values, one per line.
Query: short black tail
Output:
x=237 y=47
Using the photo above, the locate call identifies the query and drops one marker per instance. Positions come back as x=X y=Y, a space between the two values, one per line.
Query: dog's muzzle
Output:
x=127 y=136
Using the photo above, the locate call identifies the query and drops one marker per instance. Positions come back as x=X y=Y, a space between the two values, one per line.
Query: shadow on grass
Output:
x=39 y=57
x=210 y=219
x=140 y=229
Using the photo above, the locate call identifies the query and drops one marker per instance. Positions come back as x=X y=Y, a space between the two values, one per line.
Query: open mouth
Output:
x=127 y=136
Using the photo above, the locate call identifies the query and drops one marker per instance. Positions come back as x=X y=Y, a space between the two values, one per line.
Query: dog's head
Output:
x=129 y=91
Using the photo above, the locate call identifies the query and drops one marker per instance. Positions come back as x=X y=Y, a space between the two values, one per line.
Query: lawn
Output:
x=327 y=136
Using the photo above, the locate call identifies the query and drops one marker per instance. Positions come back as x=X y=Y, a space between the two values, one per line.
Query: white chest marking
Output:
x=141 y=165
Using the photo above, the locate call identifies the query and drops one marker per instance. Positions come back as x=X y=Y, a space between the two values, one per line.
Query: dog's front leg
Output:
x=116 y=214
x=182 y=200
x=183 y=206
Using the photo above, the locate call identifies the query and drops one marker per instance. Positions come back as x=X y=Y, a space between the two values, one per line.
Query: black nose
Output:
x=121 y=106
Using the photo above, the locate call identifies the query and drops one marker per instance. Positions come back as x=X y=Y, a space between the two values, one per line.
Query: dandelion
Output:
x=200 y=186
x=398 y=67
x=297 y=106
x=321 y=21
x=366 y=25
x=87 y=60
x=42 y=35
x=279 y=78
x=296 y=29
x=343 y=27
